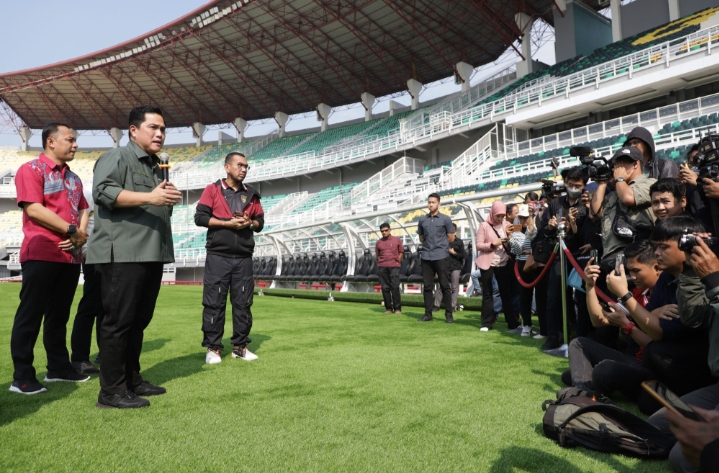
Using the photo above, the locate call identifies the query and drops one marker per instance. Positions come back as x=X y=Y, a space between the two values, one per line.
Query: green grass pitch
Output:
x=338 y=387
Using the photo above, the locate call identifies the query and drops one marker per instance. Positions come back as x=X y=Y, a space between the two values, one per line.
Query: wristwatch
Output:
x=627 y=329
x=252 y=224
x=619 y=179
x=623 y=300
x=71 y=229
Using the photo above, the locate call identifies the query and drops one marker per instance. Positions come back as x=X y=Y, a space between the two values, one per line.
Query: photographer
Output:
x=699 y=202
x=569 y=212
x=698 y=299
x=642 y=139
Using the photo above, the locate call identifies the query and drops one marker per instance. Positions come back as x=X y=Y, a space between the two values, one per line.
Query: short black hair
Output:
x=49 y=130
x=455 y=226
x=435 y=195
x=642 y=250
x=575 y=173
x=510 y=208
x=228 y=158
x=137 y=115
x=384 y=225
x=669 y=184
x=694 y=147
x=532 y=196
x=672 y=228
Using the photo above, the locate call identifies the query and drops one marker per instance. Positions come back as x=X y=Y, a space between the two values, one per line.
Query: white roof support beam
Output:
x=323 y=113
x=368 y=102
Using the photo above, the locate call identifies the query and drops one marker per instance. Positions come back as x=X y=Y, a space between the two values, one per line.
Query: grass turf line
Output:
x=338 y=387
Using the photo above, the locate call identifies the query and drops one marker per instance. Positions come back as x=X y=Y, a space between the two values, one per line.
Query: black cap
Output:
x=628 y=152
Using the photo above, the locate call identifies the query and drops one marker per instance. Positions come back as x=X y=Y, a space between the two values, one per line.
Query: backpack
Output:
x=578 y=418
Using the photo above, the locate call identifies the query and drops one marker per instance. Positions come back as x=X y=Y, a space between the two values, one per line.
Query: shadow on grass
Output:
x=15 y=406
x=534 y=460
x=257 y=340
x=155 y=344
x=180 y=367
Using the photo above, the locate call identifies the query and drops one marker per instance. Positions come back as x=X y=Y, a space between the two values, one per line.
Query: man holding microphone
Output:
x=131 y=242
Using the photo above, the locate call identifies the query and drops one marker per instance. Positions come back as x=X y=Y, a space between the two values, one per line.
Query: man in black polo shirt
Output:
x=232 y=212
x=433 y=230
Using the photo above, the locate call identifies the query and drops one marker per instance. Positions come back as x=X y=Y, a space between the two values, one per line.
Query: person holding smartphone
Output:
x=232 y=213
x=492 y=248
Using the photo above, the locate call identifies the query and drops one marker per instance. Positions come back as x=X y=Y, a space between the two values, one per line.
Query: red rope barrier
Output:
x=528 y=285
x=579 y=269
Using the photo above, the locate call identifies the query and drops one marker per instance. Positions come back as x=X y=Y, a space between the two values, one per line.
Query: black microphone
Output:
x=165 y=166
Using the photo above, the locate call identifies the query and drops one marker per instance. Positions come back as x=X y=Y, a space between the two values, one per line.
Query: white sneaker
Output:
x=244 y=353
x=527 y=331
x=484 y=329
x=539 y=337
x=518 y=329
x=213 y=357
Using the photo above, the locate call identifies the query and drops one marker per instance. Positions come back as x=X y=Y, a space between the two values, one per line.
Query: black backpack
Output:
x=578 y=418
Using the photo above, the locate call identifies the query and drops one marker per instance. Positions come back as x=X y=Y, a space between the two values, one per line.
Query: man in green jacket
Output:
x=698 y=301
x=131 y=242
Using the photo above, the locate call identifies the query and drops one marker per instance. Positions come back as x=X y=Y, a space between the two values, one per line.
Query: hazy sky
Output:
x=41 y=32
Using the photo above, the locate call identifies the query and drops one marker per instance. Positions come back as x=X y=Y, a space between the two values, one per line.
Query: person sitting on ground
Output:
x=521 y=244
x=596 y=367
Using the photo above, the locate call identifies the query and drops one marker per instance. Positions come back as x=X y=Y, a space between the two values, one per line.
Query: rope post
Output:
x=563 y=351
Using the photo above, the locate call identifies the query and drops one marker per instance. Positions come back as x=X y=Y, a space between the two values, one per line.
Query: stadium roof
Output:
x=252 y=58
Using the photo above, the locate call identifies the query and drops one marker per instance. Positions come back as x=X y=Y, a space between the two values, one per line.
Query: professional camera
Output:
x=552 y=188
x=688 y=241
x=707 y=159
x=596 y=168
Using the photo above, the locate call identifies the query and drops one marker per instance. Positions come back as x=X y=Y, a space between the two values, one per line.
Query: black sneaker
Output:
x=426 y=318
x=28 y=386
x=435 y=309
x=123 y=400
x=67 y=376
x=85 y=367
x=147 y=389
x=449 y=319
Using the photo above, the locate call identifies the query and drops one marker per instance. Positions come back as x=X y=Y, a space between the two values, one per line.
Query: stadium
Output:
x=376 y=393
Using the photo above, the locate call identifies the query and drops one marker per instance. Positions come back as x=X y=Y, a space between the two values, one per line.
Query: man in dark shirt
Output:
x=433 y=230
x=232 y=212
x=455 y=263
x=389 y=251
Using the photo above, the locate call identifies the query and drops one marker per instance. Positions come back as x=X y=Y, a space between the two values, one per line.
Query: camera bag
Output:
x=580 y=418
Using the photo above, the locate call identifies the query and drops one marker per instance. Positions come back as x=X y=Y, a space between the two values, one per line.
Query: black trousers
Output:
x=555 y=319
x=222 y=275
x=389 y=280
x=526 y=294
x=503 y=274
x=597 y=366
x=129 y=293
x=89 y=309
x=47 y=291
x=429 y=269
x=540 y=296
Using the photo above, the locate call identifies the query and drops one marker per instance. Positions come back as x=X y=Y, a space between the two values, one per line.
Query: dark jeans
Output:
x=389 y=280
x=595 y=366
x=540 y=296
x=681 y=365
x=503 y=274
x=705 y=398
x=47 y=290
x=89 y=309
x=555 y=318
x=429 y=269
x=526 y=294
x=515 y=289
x=129 y=293
x=222 y=275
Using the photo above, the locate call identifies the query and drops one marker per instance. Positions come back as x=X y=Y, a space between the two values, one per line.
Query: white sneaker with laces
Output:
x=527 y=331
x=213 y=357
x=518 y=329
x=244 y=354
x=484 y=329
x=539 y=336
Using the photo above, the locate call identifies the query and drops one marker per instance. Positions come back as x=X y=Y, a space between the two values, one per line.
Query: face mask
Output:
x=574 y=192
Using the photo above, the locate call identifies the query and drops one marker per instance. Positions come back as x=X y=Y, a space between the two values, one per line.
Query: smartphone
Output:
x=594 y=254
x=618 y=263
x=670 y=400
x=606 y=306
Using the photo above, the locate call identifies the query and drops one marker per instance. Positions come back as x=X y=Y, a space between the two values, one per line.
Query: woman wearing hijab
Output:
x=492 y=260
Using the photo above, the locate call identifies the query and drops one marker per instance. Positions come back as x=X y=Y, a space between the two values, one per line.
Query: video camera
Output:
x=552 y=188
x=707 y=159
x=688 y=241
x=596 y=168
